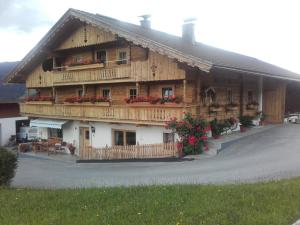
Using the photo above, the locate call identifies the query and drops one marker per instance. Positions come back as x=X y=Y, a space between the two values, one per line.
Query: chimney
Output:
x=145 y=22
x=188 y=32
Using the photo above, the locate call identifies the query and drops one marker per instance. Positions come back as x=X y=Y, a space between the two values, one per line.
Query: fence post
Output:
x=138 y=149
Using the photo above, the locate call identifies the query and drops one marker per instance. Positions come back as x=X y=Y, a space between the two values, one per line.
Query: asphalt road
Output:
x=272 y=154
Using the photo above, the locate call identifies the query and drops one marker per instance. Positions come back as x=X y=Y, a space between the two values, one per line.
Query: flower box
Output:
x=231 y=108
x=40 y=102
x=215 y=109
x=252 y=107
x=85 y=66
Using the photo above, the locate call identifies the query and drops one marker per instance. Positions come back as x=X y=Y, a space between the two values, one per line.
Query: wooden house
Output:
x=105 y=82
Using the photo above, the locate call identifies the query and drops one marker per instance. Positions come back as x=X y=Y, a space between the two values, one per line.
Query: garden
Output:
x=193 y=132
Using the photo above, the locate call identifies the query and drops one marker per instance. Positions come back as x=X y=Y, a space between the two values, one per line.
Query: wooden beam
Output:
x=184 y=92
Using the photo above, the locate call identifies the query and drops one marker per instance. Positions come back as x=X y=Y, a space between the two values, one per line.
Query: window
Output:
x=124 y=137
x=106 y=93
x=78 y=59
x=101 y=56
x=250 y=96
x=53 y=132
x=167 y=92
x=122 y=57
x=132 y=93
x=80 y=92
x=229 y=96
x=130 y=138
x=168 y=137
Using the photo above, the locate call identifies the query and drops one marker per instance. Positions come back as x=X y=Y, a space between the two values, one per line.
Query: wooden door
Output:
x=274 y=102
x=84 y=138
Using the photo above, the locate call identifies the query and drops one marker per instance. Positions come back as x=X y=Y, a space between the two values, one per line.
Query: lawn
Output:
x=267 y=203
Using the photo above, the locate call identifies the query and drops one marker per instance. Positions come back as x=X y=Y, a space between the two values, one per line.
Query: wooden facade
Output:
x=75 y=68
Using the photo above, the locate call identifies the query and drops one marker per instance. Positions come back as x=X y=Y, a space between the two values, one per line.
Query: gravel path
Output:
x=272 y=154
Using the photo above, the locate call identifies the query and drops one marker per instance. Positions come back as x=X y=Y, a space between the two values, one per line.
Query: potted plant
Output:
x=215 y=129
x=215 y=107
x=231 y=106
x=246 y=123
x=252 y=105
x=71 y=148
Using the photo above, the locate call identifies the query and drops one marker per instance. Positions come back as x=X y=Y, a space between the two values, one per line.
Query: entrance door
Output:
x=274 y=102
x=84 y=137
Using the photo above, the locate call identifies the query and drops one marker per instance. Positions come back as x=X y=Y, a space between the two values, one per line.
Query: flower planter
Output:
x=215 y=109
x=216 y=136
x=243 y=129
x=231 y=108
x=87 y=66
x=88 y=103
x=252 y=107
x=40 y=102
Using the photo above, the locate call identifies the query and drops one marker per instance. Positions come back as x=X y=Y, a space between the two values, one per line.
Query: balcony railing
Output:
x=92 y=75
x=115 y=113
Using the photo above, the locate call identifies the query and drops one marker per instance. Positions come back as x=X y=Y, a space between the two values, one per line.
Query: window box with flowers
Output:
x=48 y=100
x=215 y=107
x=252 y=105
x=88 y=100
x=85 y=64
x=141 y=100
x=232 y=106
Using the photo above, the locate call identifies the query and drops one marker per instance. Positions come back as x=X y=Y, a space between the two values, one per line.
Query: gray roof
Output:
x=204 y=57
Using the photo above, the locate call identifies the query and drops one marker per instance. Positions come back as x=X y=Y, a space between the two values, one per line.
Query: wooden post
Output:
x=83 y=90
x=184 y=93
x=198 y=90
x=137 y=88
x=241 y=95
x=53 y=94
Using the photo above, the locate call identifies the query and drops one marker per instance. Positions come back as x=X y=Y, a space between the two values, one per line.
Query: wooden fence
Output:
x=147 y=151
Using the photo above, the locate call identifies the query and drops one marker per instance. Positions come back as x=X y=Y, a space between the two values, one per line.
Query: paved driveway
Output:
x=272 y=154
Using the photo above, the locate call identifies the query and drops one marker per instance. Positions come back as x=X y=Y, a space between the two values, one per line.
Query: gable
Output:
x=86 y=35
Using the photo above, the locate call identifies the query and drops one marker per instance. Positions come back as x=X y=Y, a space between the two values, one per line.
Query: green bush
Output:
x=8 y=165
x=246 y=121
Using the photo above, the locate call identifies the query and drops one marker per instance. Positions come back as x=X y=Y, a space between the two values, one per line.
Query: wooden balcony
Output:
x=155 y=115
x=68 y=77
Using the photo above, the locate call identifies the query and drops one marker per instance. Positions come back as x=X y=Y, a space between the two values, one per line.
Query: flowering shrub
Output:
x=219 y=127
x=39 y=98
x=152 y=100
x=192 y=133
x=93 y=99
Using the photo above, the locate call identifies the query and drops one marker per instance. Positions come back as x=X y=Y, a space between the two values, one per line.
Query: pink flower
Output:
x=191 y=140
x=179 y=145
x=207 y=129
x=203 y=138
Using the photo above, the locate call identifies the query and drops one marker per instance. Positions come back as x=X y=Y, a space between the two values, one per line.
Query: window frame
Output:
x=96 y=56
x=124 y=136
x=165 y=139
x=120 y=61
x=105 y=89
x=129 y=94
x=167 y=87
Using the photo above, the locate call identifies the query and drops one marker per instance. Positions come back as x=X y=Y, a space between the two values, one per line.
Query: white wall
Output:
x=103 y=133
x=8 y=128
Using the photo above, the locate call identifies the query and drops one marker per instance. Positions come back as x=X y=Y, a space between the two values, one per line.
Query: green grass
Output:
x=266 y=203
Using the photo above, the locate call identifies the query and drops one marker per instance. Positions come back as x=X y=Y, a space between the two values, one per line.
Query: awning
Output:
x=49 y=123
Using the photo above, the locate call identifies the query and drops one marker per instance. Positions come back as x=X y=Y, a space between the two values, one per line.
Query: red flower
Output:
x=191 y=140
x=207 y=129
x=179 y=145
x=203 y=138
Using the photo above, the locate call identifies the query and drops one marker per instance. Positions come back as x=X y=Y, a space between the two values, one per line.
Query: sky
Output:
x=265 y=29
